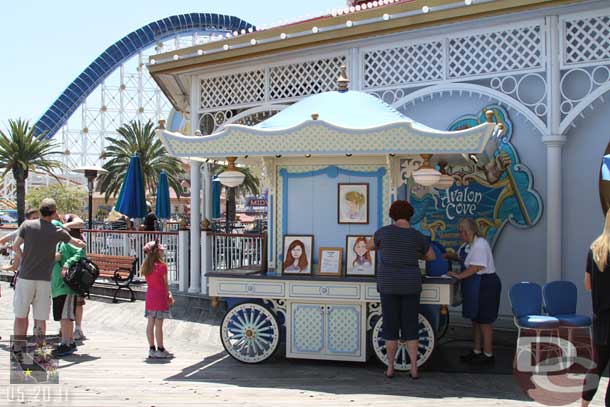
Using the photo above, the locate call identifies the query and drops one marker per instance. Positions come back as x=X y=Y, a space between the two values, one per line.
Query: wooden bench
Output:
x=120 y=269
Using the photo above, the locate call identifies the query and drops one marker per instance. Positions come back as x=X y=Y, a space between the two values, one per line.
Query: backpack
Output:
x=82 y=275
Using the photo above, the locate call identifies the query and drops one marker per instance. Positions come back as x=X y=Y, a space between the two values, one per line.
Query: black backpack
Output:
x=82 y=275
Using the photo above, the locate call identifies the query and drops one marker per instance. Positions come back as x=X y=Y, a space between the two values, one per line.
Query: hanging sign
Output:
x=493 y=193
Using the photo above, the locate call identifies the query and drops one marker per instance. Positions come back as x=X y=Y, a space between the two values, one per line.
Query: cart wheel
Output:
x=443 y=326
x=250 y=333
x=402 y=362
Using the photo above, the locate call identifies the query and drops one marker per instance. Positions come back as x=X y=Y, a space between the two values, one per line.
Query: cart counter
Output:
x=435 y=290
x=319 y=317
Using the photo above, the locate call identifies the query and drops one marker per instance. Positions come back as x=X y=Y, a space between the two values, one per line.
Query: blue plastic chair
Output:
x=560 y=298
x=526 y=304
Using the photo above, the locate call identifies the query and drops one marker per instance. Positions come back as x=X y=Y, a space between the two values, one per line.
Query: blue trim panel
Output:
x=332 y=172
x=109 y=60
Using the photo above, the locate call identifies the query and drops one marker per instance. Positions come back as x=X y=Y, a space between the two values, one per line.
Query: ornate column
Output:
x=183 y=258
x=554 y=145
x=267 y=177
x=195 y=271
x=206 y=238
x=554 y=142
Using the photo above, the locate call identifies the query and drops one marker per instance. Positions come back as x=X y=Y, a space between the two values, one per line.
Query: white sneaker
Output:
x=78 y=335
x=163 y=354
x=152 y=353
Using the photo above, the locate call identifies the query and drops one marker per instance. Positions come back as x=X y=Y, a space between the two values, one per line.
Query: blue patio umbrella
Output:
x=606 y=168
x=163 y=208
x=132 y=198
x=216 y=187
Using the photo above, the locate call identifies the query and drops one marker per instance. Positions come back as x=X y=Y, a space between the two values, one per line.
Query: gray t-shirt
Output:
x=398 y=252
x=40 y=240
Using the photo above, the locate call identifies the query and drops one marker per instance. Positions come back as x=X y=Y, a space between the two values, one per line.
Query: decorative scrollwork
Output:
x=529 y=89
x=374 y=310
x=277 y=306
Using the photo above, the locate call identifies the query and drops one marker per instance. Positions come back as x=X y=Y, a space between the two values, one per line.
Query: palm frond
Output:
x=138 y=138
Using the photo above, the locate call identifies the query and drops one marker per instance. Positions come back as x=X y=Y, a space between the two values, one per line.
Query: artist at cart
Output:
x=481 y=289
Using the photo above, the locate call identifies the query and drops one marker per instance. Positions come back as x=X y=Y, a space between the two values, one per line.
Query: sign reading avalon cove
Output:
x=494 y=192
x=459 y=202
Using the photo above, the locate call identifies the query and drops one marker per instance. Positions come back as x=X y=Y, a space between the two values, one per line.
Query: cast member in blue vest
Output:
x=481 y=290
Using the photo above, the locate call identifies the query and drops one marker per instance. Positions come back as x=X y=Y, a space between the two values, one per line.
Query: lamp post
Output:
x=230 y=178
x=91 y=173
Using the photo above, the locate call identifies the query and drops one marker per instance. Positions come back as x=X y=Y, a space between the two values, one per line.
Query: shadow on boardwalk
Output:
x=344 y=378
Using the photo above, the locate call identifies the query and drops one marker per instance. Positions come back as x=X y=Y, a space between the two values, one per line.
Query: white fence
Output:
x=131 y=243
x=233 y=251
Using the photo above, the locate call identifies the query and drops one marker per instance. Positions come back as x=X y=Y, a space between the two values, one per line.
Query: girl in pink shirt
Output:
x=158 y=297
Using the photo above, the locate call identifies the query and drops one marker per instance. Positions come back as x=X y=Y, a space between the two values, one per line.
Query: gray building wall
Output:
x=583 y=215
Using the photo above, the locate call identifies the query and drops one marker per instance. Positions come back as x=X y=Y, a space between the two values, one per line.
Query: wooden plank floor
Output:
x=111 y=369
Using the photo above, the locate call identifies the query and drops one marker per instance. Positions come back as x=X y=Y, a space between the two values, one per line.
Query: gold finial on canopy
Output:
x=489 y=115
x=343 y=80
x=314 y=116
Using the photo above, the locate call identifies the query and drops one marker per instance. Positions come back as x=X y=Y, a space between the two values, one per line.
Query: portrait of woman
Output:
x=360 y=260
x=297 y=252
x=353 y=203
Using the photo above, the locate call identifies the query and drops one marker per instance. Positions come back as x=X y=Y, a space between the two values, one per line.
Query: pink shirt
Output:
x=156 y=295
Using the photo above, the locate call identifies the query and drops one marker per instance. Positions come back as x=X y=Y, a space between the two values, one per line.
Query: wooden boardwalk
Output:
x=111 y=369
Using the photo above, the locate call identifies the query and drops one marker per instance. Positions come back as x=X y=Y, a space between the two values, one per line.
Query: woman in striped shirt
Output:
x=399 y=249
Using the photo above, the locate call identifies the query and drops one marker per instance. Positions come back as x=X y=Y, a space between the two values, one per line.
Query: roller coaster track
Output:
x=105 y=64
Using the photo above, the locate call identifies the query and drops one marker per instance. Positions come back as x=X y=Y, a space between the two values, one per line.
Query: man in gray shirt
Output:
x=39 y=238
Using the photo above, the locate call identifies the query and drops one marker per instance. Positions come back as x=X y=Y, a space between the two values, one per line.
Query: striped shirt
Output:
x=398 y=252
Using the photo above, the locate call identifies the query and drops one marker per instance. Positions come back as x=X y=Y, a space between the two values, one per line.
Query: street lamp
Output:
x=230 y=178
x=91 y=173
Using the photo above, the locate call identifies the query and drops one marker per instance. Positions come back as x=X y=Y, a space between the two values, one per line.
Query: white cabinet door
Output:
x=343 y=333
x=326 y=331
x=307 y=329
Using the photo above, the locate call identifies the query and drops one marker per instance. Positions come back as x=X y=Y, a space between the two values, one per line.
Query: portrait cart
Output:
x=310 y=155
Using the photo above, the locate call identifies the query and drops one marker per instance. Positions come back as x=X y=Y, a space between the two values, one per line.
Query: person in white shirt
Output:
x=481 y=289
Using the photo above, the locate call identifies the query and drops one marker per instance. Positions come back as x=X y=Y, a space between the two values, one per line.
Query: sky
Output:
x=47 y=44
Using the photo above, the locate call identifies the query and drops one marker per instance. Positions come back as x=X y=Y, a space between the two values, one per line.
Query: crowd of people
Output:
x=46 y=246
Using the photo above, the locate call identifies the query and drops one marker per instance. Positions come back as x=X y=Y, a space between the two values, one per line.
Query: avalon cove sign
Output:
x=493 y=193
x=460 y=202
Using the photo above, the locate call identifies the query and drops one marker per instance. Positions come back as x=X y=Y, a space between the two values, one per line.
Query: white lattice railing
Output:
x=411 y=63
x=234 y=251
x=131 y=243
x=586 y=40
x=304 y=78
x=233 y=89
x=275 y=82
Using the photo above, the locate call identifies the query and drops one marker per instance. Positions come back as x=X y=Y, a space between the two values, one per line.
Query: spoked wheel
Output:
x=250 y=333
x=402 y=361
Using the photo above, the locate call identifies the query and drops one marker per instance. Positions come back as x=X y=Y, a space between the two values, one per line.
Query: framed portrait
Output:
x=297 y=254
x=353 y=203
x=329 y=261
x=360 y=260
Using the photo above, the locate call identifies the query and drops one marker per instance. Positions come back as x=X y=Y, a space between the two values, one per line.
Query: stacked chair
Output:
x=560 y=299
x=526 y=304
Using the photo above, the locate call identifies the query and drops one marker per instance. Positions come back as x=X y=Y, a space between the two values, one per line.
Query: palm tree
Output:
x=22 y=151
x=138 y=139
x=251 y=185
